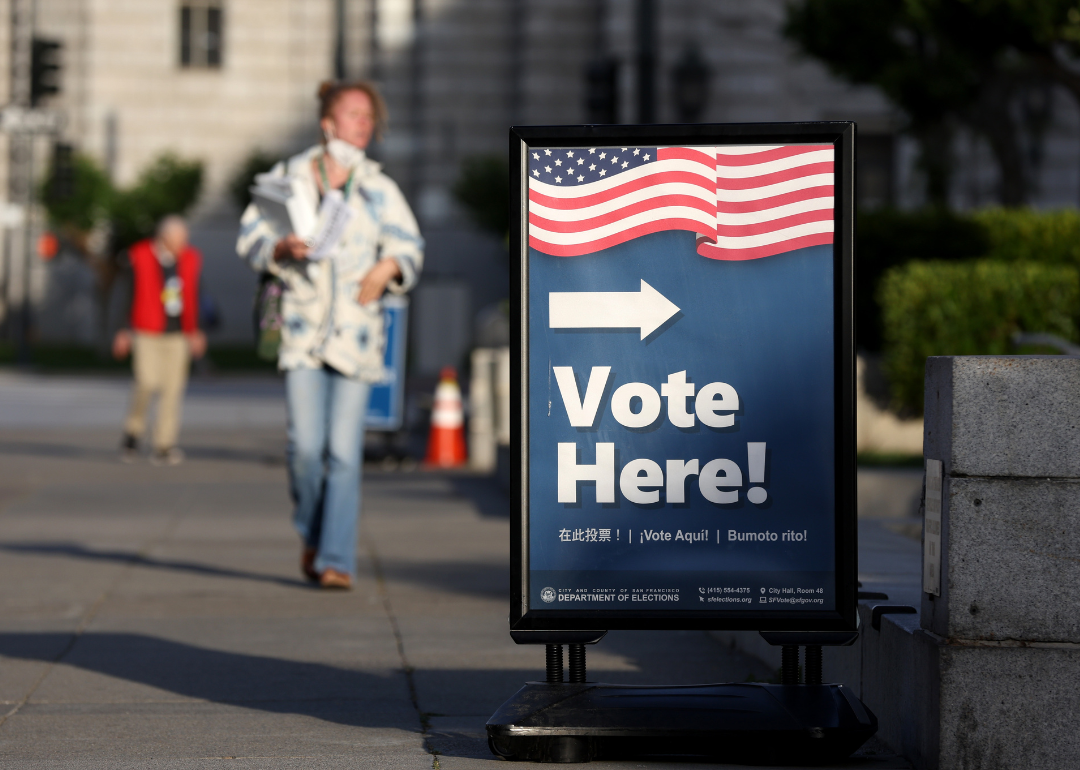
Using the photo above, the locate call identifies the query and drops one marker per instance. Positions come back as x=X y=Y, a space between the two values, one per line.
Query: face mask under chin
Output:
x=344 y=154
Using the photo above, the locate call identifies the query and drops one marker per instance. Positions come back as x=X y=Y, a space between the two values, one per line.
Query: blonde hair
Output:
x=331 y=90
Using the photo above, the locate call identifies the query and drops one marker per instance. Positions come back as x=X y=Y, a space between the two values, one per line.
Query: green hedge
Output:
x=968 y=308
x=888 y=238
x=1024 y=235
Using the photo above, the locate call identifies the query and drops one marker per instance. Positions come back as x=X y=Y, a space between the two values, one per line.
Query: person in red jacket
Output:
x=163 y=336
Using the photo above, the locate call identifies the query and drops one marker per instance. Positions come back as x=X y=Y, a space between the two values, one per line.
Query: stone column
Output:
x=482 y=412
x=1001 y=683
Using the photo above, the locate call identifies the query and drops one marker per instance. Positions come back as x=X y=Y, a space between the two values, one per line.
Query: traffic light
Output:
x=44 y=69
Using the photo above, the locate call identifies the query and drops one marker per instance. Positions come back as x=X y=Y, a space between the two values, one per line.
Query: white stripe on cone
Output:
x=448 y=411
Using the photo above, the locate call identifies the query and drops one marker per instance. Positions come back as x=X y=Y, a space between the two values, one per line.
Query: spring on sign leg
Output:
x=554 y=663
x=577 y=662
x=789 y=664
x=812 y=667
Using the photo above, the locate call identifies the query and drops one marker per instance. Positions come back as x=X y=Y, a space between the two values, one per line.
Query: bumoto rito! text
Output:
x=591 y=535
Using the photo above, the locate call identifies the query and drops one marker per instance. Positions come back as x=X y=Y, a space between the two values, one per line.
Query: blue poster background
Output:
x=765 y=327
x=386 y=405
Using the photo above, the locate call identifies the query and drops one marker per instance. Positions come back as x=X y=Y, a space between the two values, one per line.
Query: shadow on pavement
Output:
x=483 y=579
x=281 y=686
x=74 y=550
x=47 y=449
x=254 y=456
x=275 y=685
x=112 y=454
x=485 y=493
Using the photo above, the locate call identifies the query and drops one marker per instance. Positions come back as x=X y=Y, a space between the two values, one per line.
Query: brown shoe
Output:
x=331 y=578
x=307 y=564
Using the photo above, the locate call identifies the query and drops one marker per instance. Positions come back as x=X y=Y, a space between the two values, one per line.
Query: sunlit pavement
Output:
x=155 y=617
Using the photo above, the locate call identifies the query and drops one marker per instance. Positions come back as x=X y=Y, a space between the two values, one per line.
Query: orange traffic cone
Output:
x=446 y=442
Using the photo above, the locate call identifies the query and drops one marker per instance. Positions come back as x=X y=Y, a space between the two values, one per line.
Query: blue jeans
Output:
x=326 y=436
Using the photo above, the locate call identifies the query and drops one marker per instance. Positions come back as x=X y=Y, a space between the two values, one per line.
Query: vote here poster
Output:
x=681 y=412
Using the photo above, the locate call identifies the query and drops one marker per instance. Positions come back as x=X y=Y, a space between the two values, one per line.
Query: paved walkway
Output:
x=100 y=401
x=154 y=617
x=890 y=533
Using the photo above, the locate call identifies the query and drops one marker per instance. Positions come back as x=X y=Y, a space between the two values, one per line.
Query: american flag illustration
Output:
x=743 y=202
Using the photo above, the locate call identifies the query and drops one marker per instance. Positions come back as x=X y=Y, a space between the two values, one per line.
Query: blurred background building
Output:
x=226 y=82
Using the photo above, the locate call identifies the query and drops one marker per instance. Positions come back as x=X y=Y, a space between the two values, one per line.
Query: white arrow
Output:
x=647 y=309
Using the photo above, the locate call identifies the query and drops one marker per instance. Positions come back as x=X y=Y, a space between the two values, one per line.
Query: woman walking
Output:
x=332 y=336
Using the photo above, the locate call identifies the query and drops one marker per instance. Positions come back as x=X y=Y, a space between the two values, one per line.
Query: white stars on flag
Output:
x=572 y=170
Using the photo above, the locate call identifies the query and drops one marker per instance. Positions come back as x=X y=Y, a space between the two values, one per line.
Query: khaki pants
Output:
x=160 y=362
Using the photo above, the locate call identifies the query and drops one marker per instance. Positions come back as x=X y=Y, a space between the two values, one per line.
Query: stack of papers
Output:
x=280 y=205
x=283 y=205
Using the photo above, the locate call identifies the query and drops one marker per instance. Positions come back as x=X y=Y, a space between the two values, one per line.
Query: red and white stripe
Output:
x=677 y=191
x=744 y=202
x=770 y=200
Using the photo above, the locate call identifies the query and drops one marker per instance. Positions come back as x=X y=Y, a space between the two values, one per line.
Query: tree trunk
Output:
x=935 y=160
x=1059 y=73
x=992 y=117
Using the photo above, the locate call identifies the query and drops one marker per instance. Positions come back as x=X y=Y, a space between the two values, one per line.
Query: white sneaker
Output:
x=171 y=456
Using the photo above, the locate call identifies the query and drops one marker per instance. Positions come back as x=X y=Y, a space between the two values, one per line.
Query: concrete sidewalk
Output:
x=36 y=401
x=155 y=617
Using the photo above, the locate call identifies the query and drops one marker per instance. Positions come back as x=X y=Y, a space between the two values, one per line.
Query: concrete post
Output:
x=489 y=407
x=482 y=437
x=999 y=671
x=502 y=396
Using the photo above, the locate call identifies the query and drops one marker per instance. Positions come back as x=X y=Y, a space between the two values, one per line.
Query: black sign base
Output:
x=744 y=723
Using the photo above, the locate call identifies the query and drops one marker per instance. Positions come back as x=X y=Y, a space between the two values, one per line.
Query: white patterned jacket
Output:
x=322 y=320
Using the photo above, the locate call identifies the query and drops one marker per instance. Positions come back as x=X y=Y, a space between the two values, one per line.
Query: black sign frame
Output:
x=841 y=134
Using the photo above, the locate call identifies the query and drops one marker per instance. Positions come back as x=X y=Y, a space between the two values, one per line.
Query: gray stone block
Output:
x=971 y=706
x=1010 y=561
x=1015 y=416
x=1008 y=707
x=897 y=675
x=986 y=677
